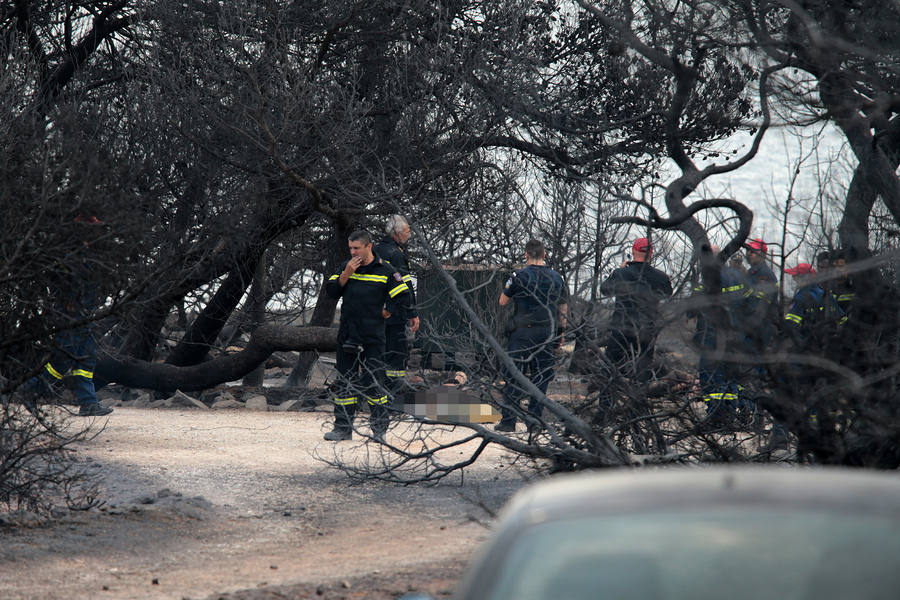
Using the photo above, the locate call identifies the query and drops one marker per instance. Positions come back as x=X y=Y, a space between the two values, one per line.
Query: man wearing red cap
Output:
x=722 y=320
x=811 y=323
x=755 y=251
x=638 y=289
x=762 y=300
x=814 y=311
x=764 y=316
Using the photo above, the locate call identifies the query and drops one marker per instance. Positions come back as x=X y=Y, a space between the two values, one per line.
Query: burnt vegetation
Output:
x=230 y=148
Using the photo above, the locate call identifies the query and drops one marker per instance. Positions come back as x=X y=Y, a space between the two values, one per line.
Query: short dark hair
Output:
x=824 y=257
x=534 y=249
x=360 y=236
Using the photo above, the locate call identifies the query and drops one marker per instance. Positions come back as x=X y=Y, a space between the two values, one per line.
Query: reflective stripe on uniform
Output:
x=794 y=318
x=83 y=373
x=53 y=371
x=372 y=278
x=382 y=400
x=395 y=373
x=345 y=401
x=398 y=290
x=720 y=396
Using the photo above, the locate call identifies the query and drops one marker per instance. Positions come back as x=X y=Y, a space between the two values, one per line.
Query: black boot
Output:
x=343 y=423
x=380 y=419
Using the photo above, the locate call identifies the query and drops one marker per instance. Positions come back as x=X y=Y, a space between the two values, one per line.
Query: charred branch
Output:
x=167 y=378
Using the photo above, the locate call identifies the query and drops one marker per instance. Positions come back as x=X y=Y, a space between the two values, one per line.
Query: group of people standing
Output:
x=378 y=306
x=742 y=319
x=735 y=327
x=379 y=309
x=749 y=323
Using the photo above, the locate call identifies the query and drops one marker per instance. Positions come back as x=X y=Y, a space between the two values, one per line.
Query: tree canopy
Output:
x=226 y=142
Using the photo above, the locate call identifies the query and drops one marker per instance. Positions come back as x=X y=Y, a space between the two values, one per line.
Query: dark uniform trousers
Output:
x=631 y=353
x=78 y=352
x=396 y=353
x=532 y=350
x=361 y=374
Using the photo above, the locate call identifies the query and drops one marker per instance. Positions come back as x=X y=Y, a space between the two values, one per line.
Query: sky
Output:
x=769 y=178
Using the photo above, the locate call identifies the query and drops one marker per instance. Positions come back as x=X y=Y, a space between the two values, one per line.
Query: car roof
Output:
x=627 y=493
x=611 y=491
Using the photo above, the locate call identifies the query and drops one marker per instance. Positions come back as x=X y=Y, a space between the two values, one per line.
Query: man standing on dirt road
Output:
x=372 y=291
x=540 y=298
x=75 y=352
x=396 y=349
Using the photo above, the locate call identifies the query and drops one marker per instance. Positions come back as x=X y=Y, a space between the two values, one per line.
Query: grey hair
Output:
x=395 y=224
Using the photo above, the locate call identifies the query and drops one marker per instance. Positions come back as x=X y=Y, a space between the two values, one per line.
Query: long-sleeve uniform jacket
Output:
x=638 y=289
x=371 y=288
x=814 y=316
x=733 y=298
x=391 y=252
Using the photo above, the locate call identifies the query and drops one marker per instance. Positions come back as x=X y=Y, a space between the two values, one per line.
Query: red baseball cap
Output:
x=642 y=245
x=757 y=245
x=801 y=269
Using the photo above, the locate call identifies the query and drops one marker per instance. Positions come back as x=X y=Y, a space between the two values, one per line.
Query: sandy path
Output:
x=275 y=515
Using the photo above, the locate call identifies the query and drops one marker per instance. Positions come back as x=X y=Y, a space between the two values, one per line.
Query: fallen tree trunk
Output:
x=163 y=377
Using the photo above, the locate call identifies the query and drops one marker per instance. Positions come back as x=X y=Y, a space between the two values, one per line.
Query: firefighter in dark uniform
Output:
x=764 y=322
x=540 y=298
x=396 y=348
x=77 y=297
x=638 y=289
x=813 y=324
x=763 y=299
x=814 y=315
x=844 y=287
x=372 y=290
x=716 y=333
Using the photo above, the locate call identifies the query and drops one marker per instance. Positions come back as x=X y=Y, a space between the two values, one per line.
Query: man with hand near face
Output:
x=372 y=291
x=638 y=289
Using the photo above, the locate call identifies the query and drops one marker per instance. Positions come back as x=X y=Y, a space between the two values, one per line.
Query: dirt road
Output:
x=201 y=503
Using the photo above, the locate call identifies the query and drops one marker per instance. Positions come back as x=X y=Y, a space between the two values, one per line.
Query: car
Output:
x=738 y=533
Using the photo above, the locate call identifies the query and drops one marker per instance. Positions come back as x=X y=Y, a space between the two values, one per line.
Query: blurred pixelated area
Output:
x=448 y=404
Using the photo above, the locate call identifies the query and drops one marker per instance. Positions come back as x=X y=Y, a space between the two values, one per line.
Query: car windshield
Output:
x=730 y=554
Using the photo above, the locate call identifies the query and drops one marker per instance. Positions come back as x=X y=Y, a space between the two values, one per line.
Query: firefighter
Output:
x=844 y=286
x=719 y=327
x=812 y=324
x=372 y=291
x=540 y=298
x=76 y=350
x=763 y=313
x=814 y=314
x=638 y=289
x=763 y=324
x=396 y=349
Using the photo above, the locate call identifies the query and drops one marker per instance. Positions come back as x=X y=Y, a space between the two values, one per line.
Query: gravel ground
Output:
x=234 y=504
